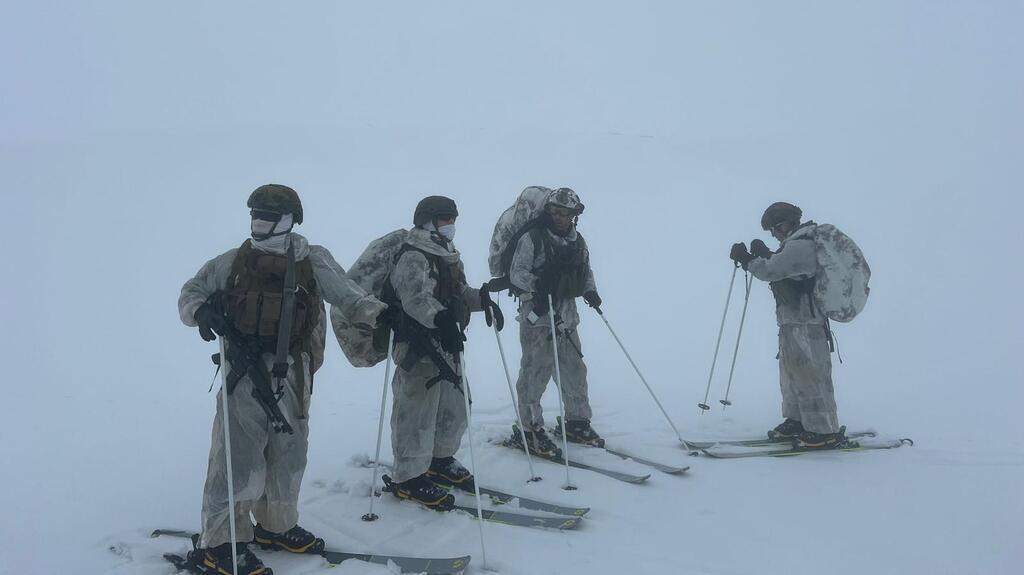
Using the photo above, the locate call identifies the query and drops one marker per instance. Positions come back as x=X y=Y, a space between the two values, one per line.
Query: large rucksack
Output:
x=520 y=218
x=841 y=282
x=363 y=347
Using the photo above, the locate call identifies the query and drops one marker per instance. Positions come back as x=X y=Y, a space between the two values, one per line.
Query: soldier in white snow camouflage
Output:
x=805 y=342
x=428 y=285
x=237 y=290
x=553 y=260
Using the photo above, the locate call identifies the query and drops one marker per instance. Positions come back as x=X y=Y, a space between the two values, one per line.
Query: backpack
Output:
x=518 y=219
x=362 y=347
x=841 y=281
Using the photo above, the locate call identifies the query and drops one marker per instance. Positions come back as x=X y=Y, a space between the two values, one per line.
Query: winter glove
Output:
x=492 y=313
x=496 y=285
x=592 y=299
x=451 y=336
x=740 y=255
x=759 y=250
x=210 y=322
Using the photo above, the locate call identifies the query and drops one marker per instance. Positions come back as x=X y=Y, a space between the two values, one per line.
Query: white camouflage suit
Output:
x=267 y=466
x=425 y=423
x=805 y=362
x=537 y=366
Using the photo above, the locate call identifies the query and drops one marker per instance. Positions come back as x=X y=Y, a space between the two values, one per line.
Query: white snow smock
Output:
x=805 y=362
x=267 y=466
x=425 y=423
x=537 y=365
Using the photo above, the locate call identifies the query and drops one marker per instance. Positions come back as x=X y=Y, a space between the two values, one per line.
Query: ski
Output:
x=623 y=454
x=764 y=441
x=793 y=451
x=522 y=520
x=182 y=564
x=450 y=566
x=662 y=467
x=620 y=475
x=506 y=517
x=499 y=497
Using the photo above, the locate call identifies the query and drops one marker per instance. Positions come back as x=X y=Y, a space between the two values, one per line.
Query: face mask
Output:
x=263 y=229
x=447 y=231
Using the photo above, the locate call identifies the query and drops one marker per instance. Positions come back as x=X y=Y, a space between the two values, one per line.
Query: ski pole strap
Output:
x=833 y=341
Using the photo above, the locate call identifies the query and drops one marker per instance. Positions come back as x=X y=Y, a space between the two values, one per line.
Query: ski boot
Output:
x=580 y=431
x=447 y=472
x=811 y=440
x=295 y=540
x=218 y=560
x=538 y=441
x=787 y=430
x=423 y=491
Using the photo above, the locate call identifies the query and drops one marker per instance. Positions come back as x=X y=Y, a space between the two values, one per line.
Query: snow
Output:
x=133 y=133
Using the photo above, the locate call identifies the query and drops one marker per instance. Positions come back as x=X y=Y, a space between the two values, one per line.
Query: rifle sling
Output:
x=284 y=328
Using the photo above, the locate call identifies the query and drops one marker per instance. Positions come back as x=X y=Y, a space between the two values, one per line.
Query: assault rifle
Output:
x=245 y=356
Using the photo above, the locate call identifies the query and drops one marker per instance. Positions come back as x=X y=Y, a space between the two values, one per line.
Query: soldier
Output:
x=428 y=284
x=805 y=363
x=552 y=260
x=240 y=296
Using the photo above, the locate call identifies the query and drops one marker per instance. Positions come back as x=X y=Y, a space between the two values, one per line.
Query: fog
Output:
x=132 y=133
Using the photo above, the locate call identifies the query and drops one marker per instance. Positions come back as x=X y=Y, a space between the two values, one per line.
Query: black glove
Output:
x=541 y=305
x=759 y=250
x=740 y=255
x=451 y=336
x=492 y=313
x=210 y=322
x=496 y=285
x=592 y=299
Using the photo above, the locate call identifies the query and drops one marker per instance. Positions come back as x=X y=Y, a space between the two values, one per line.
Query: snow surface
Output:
x=132 y=133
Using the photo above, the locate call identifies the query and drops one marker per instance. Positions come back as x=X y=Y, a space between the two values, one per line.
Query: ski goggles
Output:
x=265 y=215
x=561 y=212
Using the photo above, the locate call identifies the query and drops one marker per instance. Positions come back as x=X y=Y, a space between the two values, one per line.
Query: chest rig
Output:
x=564 y=273
x=255 y=294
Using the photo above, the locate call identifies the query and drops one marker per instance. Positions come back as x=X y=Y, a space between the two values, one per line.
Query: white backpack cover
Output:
x=528 y=207
x=841 y=282
x=363 y=347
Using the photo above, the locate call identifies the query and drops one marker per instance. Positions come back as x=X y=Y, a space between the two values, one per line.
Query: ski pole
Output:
x=561 y=402
x=746 y=299
x=721 y=328
x=371 y=516
x=472 y=458
x=515 y=406
x=227 y=451
x=643 y=379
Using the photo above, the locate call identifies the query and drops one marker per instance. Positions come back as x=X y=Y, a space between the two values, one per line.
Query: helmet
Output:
x=432 y=207
x=780 y=212
x=566 y=198
x=276 y=198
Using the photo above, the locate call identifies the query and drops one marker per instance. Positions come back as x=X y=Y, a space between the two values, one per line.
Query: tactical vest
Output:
x=254 y=295
x=450 y=280
x=564 y=273
x=791 y=291
x=423 y=341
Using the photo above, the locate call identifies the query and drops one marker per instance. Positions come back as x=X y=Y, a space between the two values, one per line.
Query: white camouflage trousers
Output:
x=425 y=423
x=267 y=466
x=537 y=368
x=805 y=374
